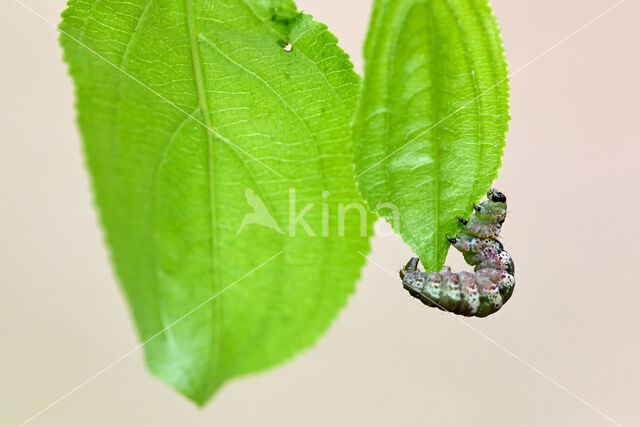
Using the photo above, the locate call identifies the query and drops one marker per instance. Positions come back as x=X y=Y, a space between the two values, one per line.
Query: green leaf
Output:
x=195 y=114
x=432 y=117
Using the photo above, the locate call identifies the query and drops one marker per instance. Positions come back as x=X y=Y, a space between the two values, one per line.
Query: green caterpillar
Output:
x=490 y=286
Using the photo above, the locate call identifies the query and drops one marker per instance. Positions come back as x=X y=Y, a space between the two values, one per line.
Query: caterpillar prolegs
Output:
x=490 y=286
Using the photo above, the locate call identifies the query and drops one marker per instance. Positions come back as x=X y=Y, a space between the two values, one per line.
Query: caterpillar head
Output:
x=493 y=209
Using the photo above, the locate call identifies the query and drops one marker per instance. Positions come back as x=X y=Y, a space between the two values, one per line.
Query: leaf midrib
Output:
x=436 y=146
x=476 y=94
x=202 y=101
x=495 y=65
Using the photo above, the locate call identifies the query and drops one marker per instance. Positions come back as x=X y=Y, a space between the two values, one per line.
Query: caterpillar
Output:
x=490 y=286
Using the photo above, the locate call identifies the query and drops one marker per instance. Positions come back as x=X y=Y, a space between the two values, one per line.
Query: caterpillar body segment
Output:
x=490 y=286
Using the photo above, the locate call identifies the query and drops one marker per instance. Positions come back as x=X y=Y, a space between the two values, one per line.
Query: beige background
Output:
x=571 y=174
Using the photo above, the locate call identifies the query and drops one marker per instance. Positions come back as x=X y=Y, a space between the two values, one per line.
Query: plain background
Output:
x=570 y=172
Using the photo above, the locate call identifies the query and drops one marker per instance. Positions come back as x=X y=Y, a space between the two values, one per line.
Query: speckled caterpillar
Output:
x=470 y=294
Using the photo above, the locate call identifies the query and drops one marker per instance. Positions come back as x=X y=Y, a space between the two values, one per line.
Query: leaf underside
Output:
x=190 y=111
x=434 y=111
